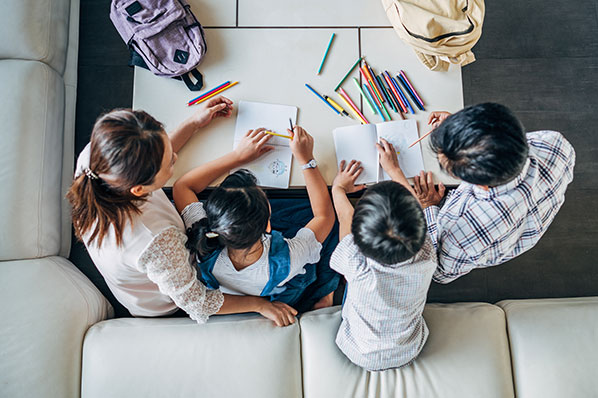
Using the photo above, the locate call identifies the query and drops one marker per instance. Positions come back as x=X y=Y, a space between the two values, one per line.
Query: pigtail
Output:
x=198 y=243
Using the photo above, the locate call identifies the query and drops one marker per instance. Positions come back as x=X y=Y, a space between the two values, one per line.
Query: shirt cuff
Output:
x=192 y=213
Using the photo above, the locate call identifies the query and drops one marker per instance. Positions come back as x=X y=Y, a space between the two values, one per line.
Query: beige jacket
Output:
x=439 y=31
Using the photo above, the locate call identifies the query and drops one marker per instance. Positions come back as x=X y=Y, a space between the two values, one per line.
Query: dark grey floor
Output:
x=539 y=57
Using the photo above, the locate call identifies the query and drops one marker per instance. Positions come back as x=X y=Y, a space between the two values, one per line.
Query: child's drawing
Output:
x=277 y=167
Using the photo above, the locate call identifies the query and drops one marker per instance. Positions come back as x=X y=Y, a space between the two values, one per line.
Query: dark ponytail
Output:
x=237 y=210
x=126 y=150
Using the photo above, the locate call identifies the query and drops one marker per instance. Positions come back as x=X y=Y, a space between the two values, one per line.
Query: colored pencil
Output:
x=409 y=92
x=322 y=98
x=367 y=100
x=403 y=96
x=337 y=106
x=351 y=105
x=326 y=53
x=382 y=106
x=402 y=73
x=386 y=95
x=348 y=73
x=367 y=80
x=373 y=78
x=421 y=138
x=393 y=90
x=278 y=135
x=215 y=93
x=291 y=123
x=194 y=100
x=367 y=90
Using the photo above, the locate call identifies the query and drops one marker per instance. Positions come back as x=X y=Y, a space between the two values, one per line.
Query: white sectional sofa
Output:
x=56 y=341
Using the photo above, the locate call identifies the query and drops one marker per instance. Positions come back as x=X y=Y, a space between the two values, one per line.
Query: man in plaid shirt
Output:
x=513 y=186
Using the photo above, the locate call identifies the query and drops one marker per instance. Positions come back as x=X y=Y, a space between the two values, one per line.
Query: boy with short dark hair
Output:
x=388 y=261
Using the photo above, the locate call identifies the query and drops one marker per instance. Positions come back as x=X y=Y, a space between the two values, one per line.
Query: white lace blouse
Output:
x=151 y=273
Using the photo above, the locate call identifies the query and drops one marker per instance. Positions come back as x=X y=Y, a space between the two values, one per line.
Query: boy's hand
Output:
x=281 y=313
x=388 y=157
x=302 y=145
x=426 y=191
x=253 y=145
x=211 y=109
x=436 y=118
x=345 y=179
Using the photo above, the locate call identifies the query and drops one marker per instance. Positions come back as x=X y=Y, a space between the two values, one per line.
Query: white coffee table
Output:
x=274 y=62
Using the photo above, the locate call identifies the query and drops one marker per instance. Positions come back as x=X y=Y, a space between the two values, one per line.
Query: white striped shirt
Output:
x=382 y=324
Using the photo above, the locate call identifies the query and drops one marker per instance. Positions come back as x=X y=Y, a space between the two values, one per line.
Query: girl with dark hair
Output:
x=236 y=249
x=132 y=232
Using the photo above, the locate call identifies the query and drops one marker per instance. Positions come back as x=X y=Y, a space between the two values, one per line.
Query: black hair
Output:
x=237 y=210
x=483 y=144
x=388 y=224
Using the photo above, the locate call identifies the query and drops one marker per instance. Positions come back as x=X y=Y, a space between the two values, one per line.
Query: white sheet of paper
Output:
x=272 y=169
x=358 y=142
x=401 y=134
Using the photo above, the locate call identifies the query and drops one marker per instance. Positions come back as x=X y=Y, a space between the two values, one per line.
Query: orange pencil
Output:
x=421 y=138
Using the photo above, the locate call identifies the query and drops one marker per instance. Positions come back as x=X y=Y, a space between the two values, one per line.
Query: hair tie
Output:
x=211 y=235
x=90 y=174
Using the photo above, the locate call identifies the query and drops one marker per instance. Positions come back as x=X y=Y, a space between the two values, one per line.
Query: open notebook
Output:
x=358 y=142
x=272 y=169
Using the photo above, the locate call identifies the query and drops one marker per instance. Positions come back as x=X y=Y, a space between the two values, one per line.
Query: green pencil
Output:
x=348 y=73
x=364 y=96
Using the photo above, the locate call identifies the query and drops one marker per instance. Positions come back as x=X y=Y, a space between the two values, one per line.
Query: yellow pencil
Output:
x=363 y=121
x=215 y=93
x=278 y=135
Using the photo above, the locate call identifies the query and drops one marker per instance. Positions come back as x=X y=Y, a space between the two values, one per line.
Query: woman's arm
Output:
x=208 y=110
x=302 y=146
x=186 y=188
x=344 y=183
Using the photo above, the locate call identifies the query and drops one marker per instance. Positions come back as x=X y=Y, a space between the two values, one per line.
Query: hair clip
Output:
x=211 y=235
x=90 y=174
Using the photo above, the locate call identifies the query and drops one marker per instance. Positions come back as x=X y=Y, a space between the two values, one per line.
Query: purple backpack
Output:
x=163 y=36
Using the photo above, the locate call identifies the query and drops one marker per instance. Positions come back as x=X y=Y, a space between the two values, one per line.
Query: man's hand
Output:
x=281 y=313
x=302 y=145
x=426 y=191
x=388 y=157
x=436 y=118
x=345 y=179
x=211 y=109
x=253 y=145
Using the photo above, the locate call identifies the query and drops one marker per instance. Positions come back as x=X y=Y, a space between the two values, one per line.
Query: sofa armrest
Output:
x=48 y=305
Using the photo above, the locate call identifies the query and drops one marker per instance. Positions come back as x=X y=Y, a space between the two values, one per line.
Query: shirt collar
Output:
x=493 y=192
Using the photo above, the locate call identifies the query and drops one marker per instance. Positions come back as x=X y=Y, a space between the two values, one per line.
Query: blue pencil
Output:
x=410 y=92
x=403 y=97
x=326 y=53
x=322 y=98
x=367 y=91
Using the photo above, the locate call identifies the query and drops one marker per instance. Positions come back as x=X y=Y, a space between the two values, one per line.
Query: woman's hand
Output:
x=345 y=179
x=436 y=118
x=211 y=109
x=253 y=145
x=302 y=145
x=426 y=191
x=388 y=157
x=281 y=313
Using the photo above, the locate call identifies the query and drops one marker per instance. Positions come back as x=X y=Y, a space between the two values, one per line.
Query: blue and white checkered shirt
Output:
x=477 y=228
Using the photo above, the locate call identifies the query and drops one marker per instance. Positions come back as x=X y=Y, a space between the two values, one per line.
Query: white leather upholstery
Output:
x=466 y=355
x=31 y=159
x=48 y=305
x=554 y=346
x=35 y=30
x=230 y=356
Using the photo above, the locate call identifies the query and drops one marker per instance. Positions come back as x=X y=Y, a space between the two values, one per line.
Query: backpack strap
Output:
x=279 y=260
x=206 y=268
x=189 y=82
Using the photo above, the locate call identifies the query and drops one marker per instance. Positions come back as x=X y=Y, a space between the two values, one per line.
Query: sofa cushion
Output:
x=466 y=355
x=35 y=30
x=230 y=356
x=48 y=305
x=554 y=346
x=31 y=161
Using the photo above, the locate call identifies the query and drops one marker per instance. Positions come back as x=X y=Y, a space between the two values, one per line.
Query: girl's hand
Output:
x=436 y=118
x=345 y=179
x=211 y=109
x=253 y=145
x=281 y=313
x=302 y=145
x=388 y=157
